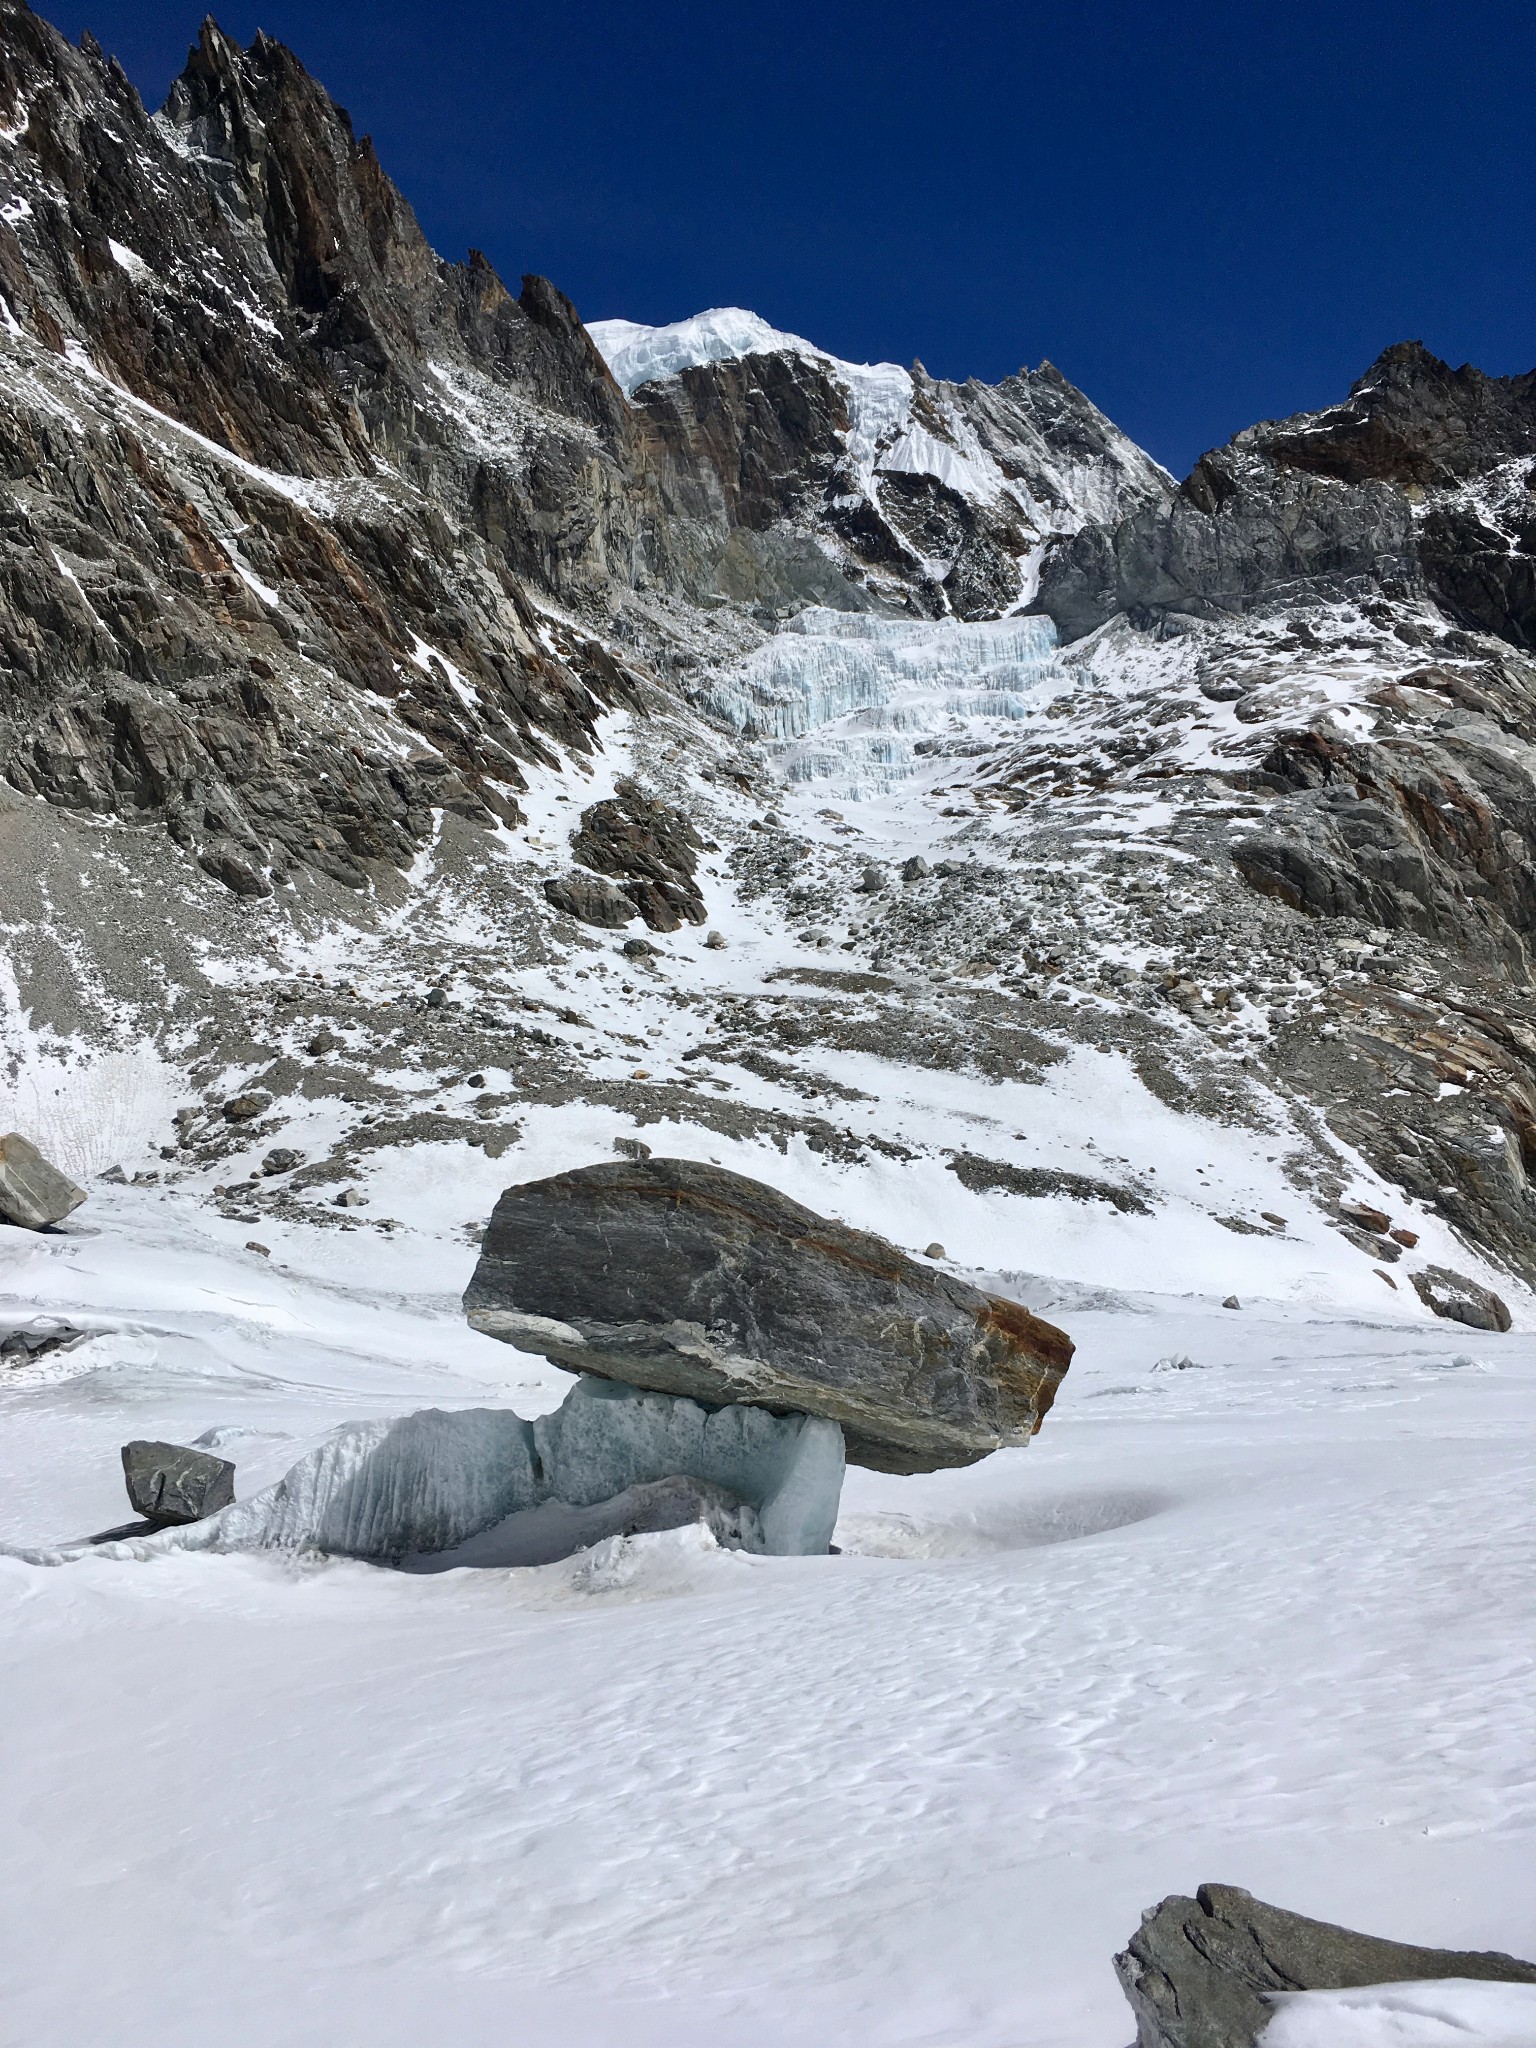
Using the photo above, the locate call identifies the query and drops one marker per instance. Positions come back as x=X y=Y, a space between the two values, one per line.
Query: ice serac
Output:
x=686 y=1278
x=483 y=1486
x=848 y=698
x=606 y=1439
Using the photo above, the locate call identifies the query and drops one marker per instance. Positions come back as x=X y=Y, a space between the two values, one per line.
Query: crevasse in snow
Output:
x=846 y=695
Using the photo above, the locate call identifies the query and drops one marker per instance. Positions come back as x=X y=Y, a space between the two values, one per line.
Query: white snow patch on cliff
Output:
x=638 y=355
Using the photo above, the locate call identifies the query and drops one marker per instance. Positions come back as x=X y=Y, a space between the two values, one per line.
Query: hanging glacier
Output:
x=843 y=697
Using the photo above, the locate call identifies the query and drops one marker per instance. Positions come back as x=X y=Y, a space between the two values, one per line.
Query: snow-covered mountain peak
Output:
x=638 y=354
x=937 y=490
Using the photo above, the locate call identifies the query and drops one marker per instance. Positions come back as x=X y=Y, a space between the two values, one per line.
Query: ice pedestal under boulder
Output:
x=498 y=1489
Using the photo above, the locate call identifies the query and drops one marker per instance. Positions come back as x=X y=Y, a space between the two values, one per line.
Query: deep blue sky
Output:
x=1205 y=211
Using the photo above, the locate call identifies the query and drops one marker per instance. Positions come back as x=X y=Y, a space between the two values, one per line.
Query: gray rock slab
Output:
x=1459 y=1299
x=1197 y=1970
x=33 y=1193
x=170 y=1483
x=688 y=1279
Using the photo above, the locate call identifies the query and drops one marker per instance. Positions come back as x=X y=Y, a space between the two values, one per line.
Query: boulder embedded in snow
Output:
x=171 y=1483
x=425 y=1485
x=590 y=900
x=1197 y=1970
x=674 y=1275
x=33 y=1194
x=244 y=1109
x=1459 y=1299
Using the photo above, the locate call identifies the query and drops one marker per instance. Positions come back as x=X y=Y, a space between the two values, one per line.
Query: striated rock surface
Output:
x=1197 y=1970
x=171 y=1483
x=33 y=1193
x=670 y=1274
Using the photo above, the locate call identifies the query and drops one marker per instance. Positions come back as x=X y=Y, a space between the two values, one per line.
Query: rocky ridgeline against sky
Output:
x=383 y=653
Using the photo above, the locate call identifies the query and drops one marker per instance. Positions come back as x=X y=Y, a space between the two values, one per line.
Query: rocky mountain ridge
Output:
x=364 y=622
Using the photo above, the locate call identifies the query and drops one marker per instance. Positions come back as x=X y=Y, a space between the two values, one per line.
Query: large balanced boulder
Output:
x=1198 y=1972
x=33 y=1193
x=669 y=1274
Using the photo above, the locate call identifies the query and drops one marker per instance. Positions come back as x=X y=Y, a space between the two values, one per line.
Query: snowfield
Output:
x=1257 y=1605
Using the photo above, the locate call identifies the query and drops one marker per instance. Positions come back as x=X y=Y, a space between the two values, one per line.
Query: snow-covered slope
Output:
x=1256 y=1603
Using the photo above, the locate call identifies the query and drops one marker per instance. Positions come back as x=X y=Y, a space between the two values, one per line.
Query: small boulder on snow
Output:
x=33 y=1193
x=244 y=1109
x=1366 y=1216
x=687 y=1278
x=170 y=1483
x=1198 y=1972
x=1459 y=1299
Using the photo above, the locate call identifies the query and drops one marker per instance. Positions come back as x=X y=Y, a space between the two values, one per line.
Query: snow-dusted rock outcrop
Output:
x=1199 y=1972
x=789 y=476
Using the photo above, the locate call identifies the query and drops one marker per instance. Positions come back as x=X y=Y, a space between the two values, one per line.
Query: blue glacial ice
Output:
x=484 y=1486
x=843 y=697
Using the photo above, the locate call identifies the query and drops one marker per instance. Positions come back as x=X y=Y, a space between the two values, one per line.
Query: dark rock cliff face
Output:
x=1421 y=479
x=771 y=490
x=293 y=657
x=301 y=517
